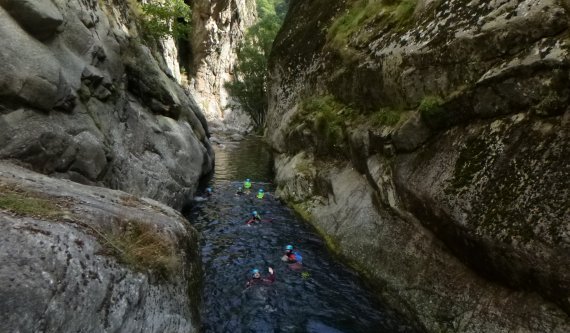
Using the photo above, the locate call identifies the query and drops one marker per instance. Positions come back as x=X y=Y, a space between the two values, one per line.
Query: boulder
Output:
x=41 y=18
x=70 y=260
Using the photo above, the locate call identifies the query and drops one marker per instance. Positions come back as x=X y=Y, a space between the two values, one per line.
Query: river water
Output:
x=322 y=296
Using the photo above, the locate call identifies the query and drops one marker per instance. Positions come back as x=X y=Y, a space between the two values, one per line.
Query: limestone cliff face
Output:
x=431 y=150
x=76 y=258
x=218 y=29
x=83 y=98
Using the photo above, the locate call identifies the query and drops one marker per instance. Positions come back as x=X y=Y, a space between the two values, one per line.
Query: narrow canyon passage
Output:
x=324 y=296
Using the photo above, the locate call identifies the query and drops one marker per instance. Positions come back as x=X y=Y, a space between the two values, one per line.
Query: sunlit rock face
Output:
x=429 y=146
x=83 y=98
x=219 y=26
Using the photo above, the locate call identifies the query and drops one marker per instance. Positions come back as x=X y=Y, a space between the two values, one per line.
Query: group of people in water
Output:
x=290 y=256
x=247 y=186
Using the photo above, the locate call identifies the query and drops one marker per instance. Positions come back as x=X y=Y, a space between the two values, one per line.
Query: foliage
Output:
x=167 y=18
x=386 y=117
x=29 y=204
x=432 y=111
x=142 y=247
x=249 y=84
x=364 y=12
x=328 y=117
x=430 y=105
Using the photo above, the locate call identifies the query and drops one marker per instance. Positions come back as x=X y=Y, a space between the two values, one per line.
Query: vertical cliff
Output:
x=218 y=29
x=427 y=141
x=84 y=98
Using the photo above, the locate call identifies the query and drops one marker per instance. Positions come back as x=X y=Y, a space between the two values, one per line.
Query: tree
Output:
x=249 y=85
x=167 y=18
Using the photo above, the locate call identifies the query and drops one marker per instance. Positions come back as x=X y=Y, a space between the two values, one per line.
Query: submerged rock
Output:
x=75 y=258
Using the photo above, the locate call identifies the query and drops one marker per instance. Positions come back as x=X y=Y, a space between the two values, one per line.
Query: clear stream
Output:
x=324 y=296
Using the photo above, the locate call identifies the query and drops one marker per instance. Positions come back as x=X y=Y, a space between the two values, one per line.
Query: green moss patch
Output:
x=327 y=117
x=27 y=203
x=363 y=13
x=432 y=111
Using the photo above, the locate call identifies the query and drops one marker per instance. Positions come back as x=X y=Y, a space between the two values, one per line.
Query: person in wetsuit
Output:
x=257 y=279
x=290 y=256
x=255 y=217
x=240 y=191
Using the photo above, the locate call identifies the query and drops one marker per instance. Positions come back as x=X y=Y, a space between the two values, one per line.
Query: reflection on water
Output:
x=250 y=158
x=323 y=296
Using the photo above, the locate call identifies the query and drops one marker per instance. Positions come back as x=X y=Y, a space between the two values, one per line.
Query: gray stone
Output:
x=59 y=273
x=138 y=132
x=218 y=28
x=41 y=18
x=236 y=137
x=412 y=134
x=30 y=73
x=465 y=227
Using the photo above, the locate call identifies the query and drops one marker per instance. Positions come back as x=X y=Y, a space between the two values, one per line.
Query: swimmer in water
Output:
x=255 y=217
x=260 y=194
x=290 y=256
x=257 y=279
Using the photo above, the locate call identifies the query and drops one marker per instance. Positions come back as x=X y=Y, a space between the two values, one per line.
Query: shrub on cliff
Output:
x=166 y=18
x=249 y=84
x=374 y=13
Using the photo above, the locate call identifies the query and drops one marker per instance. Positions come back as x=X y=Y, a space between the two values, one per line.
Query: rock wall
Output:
x=83 y=98
x=76 y=258
x=218 y=29
x=429 y=146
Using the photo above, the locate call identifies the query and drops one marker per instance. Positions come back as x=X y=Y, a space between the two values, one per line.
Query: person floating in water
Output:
x=247 y=184
x=208 y=191
x=255 y=217
x=290 y=256
x=260 y=194
x=257 y=279
x=240 y=191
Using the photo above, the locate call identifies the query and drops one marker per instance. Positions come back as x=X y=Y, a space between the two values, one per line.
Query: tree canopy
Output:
x=249 y=85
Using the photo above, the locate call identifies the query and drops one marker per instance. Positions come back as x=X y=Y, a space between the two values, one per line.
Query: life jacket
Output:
x=247 y=184
x=298 y=257
x=260 y=195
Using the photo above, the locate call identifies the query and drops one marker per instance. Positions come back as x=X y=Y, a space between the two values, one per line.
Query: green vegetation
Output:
x=432 y=111
x=304 y=167
x=380 y=13
x=328 y=118
x=167 y=18
x=28 y=204
x=142 y=247
x=249 y=84
x=385 y=117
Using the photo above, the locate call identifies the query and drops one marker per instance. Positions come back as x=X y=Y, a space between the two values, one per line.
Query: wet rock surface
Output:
x=457 y=211
x=66 y=266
